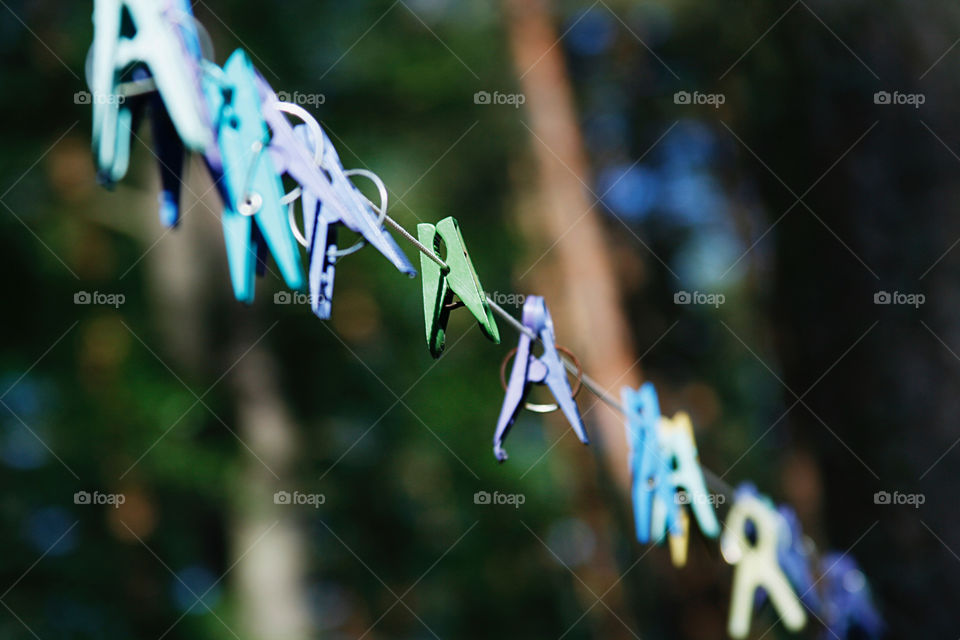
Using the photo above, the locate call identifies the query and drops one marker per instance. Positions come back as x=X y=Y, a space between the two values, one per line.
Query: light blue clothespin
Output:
x=680 y=451
x=157 y=43
x=648 y=465
x=250 y=183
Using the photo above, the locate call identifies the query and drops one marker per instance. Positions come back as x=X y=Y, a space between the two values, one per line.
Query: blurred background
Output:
x=609 y=155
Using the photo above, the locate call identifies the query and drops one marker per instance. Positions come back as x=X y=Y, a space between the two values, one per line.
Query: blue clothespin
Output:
x=648 y=465
x=847 y=601
x=528 y=369
x=250 y=184
x=156 y=42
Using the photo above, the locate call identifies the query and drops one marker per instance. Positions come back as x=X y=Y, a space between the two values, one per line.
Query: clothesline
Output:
x=713 y=480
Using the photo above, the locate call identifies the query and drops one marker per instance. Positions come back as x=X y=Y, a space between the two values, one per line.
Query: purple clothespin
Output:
x=339 y=200
x=848 y=604
x=796 y=562
x=794 y=556
x=547 y=370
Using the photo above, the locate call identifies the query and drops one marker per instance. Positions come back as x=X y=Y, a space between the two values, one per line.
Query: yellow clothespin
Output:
x=756 y=563
x=680 y=451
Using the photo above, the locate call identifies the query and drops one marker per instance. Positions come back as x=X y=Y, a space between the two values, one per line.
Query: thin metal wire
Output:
x=419 y=245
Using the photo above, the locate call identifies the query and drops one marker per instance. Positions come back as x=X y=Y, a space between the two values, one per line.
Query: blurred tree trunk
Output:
x=576 y=272
x=267 y=546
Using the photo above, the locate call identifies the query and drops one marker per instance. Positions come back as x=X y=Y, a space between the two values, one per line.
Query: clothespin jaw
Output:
x=461 y=280
x=251 y=183
x=652 y=491
x=847 y=600
x=548 y=370
x=756 y=564
x=680 y=451
x=156 y=44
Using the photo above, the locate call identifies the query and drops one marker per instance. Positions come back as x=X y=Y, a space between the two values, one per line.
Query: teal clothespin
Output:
x=439 y=287
x=152 y=39
x=251 y=184
x=680 y=450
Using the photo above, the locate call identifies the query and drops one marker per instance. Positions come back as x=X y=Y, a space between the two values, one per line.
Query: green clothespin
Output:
x=459 y=279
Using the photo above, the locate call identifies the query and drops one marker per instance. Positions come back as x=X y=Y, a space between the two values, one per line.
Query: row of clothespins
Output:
x=151 y=54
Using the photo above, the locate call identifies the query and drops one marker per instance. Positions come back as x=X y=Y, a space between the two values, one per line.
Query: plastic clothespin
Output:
x=155 y=42
x=249 y=183
x=439 y=287
x=528 y=369
x=680 y=450
x=848 y=603
x=795 y=558
x=326 y=182
x=756 y=563
x=648 y=465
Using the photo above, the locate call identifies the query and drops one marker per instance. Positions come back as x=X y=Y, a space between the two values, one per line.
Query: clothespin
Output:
x=794 y=554
x=756 y=563
x=651 y=480
x=324 y=179
x=848 y=603
x=345 y=204
x=249 y=183
x=439 y=287
x=680 y=451
x=528 y=369
x=155 y=42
